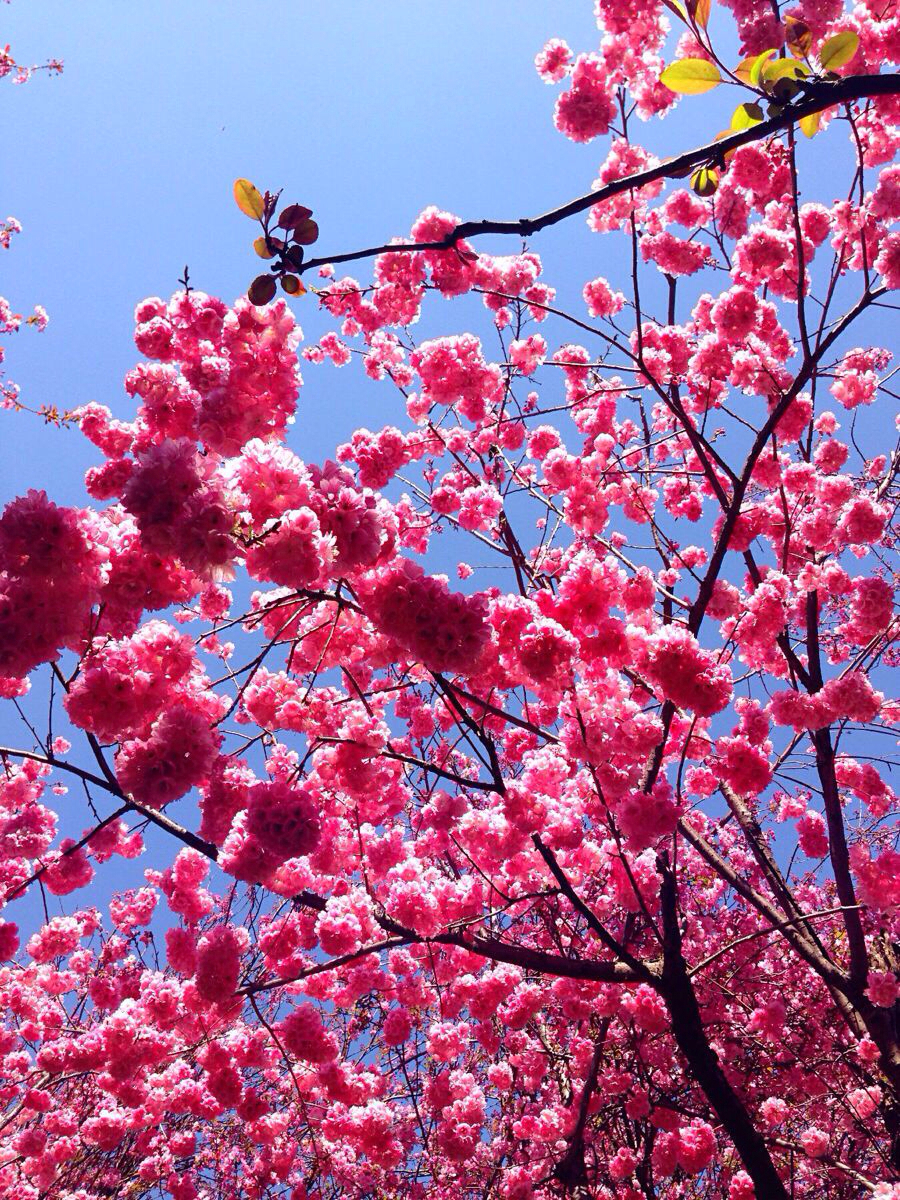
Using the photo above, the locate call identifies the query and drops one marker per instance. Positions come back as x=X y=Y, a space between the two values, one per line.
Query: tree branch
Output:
x=687 y=1027
x=153 y=815
x=817 y=97
x=490 y=947
x=641 y=970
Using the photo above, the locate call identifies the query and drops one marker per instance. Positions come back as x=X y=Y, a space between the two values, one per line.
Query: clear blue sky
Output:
x=121 y=170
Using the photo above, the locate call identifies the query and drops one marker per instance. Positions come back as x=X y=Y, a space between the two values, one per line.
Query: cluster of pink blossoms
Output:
x=579 y=876
x=51 y=565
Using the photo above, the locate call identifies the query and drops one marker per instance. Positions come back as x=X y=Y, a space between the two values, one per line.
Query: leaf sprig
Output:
x=776 y=78
x=282 y=240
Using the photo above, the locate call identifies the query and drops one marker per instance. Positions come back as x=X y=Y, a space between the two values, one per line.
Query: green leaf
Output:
x=248 y=199
x=746 y=115
x=782 y=68
x=837 y=51
x=757 y=65
x=691 y=76
x=809 y=126
x=705 y=181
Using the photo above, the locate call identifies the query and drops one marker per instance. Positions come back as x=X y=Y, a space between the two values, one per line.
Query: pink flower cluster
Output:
x=238 y=374
x=51 y=566
x=445 y=630
x=453 y=372
x=683 y=672
x=420 y=934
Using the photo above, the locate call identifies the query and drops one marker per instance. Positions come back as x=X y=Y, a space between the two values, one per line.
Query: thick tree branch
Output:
x=793 y=932
x=640 y=969
x=687 y=1026
x=817 y=96
x=755 y=839
x=840 y=856
x=490 y=947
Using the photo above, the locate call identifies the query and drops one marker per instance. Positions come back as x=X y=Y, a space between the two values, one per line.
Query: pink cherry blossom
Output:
x=577 y=876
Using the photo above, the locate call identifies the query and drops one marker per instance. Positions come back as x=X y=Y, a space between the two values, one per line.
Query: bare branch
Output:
x=817 y=97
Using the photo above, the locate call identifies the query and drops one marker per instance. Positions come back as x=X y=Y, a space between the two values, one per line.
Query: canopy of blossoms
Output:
x=575 y=874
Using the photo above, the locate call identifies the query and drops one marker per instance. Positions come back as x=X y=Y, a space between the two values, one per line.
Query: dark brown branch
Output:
x=571 y=1170
x=766 y=931
x=704 y=592
x=73 y=849
x=755 y=839
x=794 y=933
x=817 y=97
x=687 y=1027
x=187 y=836
x=492 y=948
x=410 y=760
x=640 y=969
x=494 y=710
x=331 y=964
x=840 y=856
x=50 y=761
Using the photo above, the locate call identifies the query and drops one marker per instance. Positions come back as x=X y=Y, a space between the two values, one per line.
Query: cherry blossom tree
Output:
x=575 y=875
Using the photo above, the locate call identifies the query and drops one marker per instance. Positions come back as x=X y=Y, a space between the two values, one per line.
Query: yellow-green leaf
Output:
x=705 y=181
x=691 y=76
x=783 y=68
x=677 y=8
x=742 y=70
x=810 y=125
x=837 y=51
x=746 y=115
x=262 y=249
x=248 y=198
x=757 y=65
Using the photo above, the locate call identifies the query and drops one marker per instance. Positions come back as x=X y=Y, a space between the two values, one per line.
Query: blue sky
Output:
x=121 y=170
